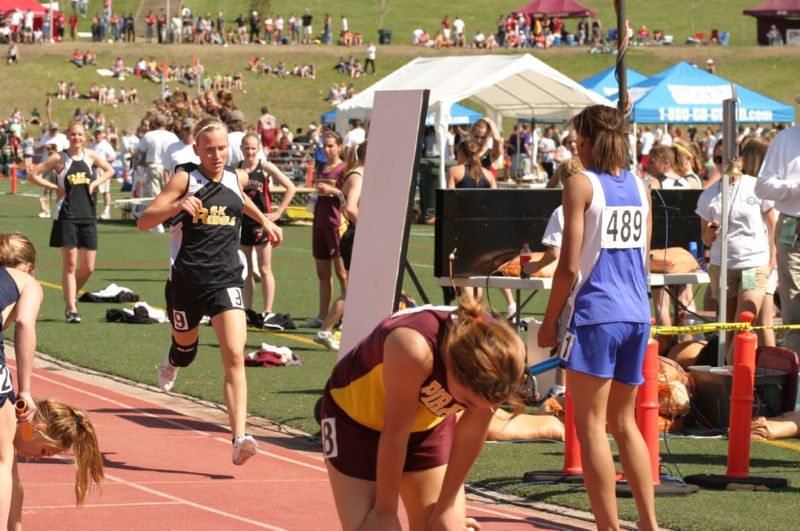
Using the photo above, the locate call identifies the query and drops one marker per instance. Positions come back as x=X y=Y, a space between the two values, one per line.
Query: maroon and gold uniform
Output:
x=354 y=401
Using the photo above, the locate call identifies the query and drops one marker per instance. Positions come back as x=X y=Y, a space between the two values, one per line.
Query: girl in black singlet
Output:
x=259 y=173
x=74 y=223
x=205 y=276
x=469 y=173
x=20 y=298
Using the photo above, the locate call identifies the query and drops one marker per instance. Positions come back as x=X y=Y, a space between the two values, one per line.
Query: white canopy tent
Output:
x=518 y=86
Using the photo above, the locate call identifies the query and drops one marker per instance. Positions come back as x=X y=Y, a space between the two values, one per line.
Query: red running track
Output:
x=167 y=469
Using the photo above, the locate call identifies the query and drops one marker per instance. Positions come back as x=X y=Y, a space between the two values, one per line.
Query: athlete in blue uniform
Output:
x=20 y=298
x=205 y=276
x=602 y=271
x=75 y=221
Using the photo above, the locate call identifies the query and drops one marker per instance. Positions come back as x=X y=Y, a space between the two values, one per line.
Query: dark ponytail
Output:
x=605 y=128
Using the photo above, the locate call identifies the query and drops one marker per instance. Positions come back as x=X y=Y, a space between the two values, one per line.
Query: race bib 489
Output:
x=623 y=227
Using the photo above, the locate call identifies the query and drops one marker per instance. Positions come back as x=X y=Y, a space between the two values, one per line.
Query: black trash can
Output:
x=385 y=36
x=428 y=184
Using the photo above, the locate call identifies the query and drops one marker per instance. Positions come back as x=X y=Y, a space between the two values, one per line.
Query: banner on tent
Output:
x=711 y=114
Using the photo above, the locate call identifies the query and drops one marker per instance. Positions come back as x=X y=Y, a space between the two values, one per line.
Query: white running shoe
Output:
x=167 y=374
x=326 y=339
x=105 y=215
x=44 y=215
x=314 y=322
x=244 y=447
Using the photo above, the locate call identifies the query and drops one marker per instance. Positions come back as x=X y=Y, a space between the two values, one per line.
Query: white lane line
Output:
x=193 y=504
x=100 y=505
x=180 y=424
x=515 y=516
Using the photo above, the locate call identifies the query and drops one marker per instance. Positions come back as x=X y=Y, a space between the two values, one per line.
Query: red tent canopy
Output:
x=23 y=5
x=556 y=8
x=780 y=8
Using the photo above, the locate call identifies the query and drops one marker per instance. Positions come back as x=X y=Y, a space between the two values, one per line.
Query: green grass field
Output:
x=139 y=261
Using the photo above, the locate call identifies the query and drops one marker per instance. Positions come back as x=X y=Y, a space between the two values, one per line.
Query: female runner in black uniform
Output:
x=259 y=173
x=205 y=276
x=75 y=221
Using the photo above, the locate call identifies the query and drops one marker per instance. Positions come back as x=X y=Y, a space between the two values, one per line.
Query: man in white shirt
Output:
x=129 y=145
x=58 y=142
x=646 y=141
x=370 y=61
x=479 y=40
x=355 y=136
x=458 y=30
x=779 y=181
x=182 y=151
x=547 y=150
x=151 y=151
x=103 y=148
x=279 y=25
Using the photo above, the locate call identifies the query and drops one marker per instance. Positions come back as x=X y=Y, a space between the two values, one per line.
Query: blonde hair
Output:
x=567 y=169
x=16 y=249
x=606 y=130
x=207 y=124
x=484 y=355
x=687 y=150
x=472 y=152
x=66 y=427
x=356 y=156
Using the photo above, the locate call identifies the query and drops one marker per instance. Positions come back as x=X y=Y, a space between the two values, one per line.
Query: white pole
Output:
x=723 y=270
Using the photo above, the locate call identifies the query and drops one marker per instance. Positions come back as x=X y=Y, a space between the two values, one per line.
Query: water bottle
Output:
x=524 y=258
x=694 y=251
x=311 y=204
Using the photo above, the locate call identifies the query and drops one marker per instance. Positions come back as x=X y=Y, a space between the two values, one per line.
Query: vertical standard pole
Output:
x=622 y=45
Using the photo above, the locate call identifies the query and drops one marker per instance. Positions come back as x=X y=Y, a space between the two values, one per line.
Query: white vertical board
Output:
x=381 y=238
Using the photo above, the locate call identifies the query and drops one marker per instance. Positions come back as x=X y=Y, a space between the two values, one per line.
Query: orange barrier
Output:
x=310 y=174
x=13 y=172
x=744 y=366
x=647 y=407
x=572 y=448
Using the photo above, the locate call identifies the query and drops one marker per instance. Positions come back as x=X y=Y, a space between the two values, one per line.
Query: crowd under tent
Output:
x=515 y=86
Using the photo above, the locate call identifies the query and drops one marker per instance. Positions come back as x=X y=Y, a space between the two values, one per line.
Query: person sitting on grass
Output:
x=57 y=428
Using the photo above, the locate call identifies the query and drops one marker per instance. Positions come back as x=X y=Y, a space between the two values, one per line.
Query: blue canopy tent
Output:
x=605 y=82
x=459 y=115
x=685 y=94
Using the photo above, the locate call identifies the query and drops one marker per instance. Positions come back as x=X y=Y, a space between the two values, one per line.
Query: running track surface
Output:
x=167 y=469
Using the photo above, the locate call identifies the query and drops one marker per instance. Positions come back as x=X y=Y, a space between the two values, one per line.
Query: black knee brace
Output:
x=182 y=356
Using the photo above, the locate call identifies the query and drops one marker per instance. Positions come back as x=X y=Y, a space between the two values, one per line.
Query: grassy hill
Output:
x=769 y=70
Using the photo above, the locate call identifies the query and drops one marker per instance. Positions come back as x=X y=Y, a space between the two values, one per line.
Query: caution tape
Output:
x=707 y=328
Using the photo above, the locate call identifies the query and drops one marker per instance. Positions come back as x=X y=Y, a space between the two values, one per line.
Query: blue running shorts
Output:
x=608 y=350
